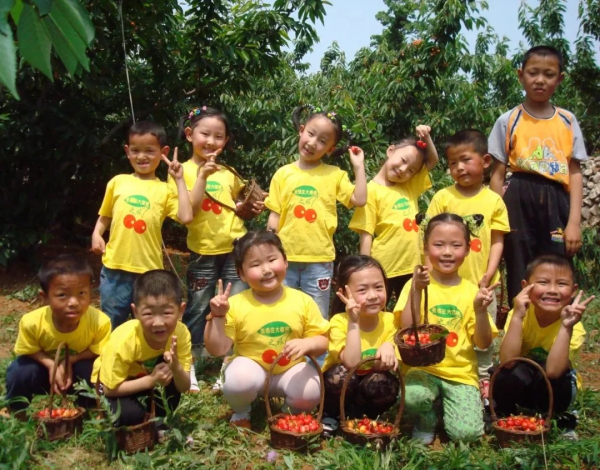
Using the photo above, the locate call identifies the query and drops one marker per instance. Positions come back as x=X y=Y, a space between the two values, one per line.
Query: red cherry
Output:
x=206 y=204
x=299 y=211
x=354 y=150
x=269 y=356
x=407 y=224
x=421 y=144
x=415 y=226
x=140 y=226
x=217 y=209
x=310 y=216
x=129 y=220
x=476 y=245
x=452 y=339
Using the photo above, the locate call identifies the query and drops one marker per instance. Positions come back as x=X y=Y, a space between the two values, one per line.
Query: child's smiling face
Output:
x=368 y=286
x=145 y=153
x=264 y=268
x=447 y=247
x=402 y=163
x=317 y=138
x=159 y=317
x=207 y=136
x=553 y=288
x=68 y=297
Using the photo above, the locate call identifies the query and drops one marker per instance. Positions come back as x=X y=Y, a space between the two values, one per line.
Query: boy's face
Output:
x=540 y=77
x=68 y=297
x=159 y=317
x=466 y=165
x=144 y=153
x=553 y=288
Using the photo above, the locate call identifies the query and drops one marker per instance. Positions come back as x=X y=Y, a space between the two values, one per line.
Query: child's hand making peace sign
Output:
x=170 y=356
x=353 y=308
x=571 y=314
x=175 y=168
x=219 y=304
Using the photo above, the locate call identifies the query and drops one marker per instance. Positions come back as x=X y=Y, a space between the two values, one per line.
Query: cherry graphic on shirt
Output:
x=284 y=361
x=216 y=208
x=310 y=216
x=299 y=211
x=140 y=226
x=452 y=339
x=476 y=245
x=407 y=224
x=129 y=221
x=269 y=356
x=206 y=205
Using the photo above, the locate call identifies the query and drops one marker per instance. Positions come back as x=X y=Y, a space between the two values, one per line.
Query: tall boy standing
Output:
x=468 y=158
x=135 y=207
x=543 y=147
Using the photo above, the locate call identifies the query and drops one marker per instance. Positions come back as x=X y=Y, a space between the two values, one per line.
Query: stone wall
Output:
x=590 y=213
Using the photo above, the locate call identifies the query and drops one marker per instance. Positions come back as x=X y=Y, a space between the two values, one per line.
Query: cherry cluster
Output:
x=300 y=423
x=522 y=423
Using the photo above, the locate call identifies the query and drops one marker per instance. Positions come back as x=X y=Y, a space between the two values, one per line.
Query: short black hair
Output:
x=544 y=51
x=157 y=283
x=552 y=259
x=63 y=264
x=148 y=127
x=473 y=137
x=255 y=238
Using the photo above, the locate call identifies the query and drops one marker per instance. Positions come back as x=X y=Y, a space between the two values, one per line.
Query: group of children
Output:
x=263 y=297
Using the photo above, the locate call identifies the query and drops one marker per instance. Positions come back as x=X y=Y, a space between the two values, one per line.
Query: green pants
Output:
x=463 y=417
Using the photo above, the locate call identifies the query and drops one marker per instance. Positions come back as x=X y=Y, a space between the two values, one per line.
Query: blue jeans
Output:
x=313 y=279
x=203 y=273
x=116 y=294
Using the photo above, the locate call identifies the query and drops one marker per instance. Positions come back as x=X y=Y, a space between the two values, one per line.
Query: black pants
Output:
x=394 y=286
x=524 y=385
x=133 y=410
x=26 y=377
x=538 y=212
x=368 y=395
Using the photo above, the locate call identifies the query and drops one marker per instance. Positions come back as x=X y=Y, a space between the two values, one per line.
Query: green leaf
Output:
x=44 y=6
x=8 y=59
x=34 y=43
x=6 y=5
x=15 y=12
x=70 y=37
x=61 y=46
x=78 y=17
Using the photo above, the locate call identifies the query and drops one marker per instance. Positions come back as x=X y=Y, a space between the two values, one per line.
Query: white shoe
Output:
x=426 y=438
x=218 y=385
x=194 y=388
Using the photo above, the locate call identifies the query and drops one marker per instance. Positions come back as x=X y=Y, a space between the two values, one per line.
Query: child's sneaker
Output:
x=426 y=438
x=194 y=387
x=218 y=386
x=569 y=435
x=484 y=391
x=330 y=426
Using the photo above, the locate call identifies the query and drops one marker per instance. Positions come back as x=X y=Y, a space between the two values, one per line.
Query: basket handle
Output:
x=97 y=390
x=533 y=363
x=55 y=368
x=268 y=383
x=347 y=382
x=415 y=307
x=502 y=289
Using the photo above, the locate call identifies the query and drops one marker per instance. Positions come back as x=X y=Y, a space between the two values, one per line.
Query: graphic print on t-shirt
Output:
x=542 y=158
x=307 y=195
x=139 y=206
x=215 y=189
x=278 y=333
x=450 y=317
x=474 y=225
x=403 y=204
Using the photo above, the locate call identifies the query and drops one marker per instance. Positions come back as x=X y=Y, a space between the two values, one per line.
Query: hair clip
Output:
x=196 y=112
x=332 y=116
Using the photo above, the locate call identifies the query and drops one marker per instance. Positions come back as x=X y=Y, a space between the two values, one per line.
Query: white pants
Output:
x=245 y=379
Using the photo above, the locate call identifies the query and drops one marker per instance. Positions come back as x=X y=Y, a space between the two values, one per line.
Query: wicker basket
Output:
x=132 y=439
x=502 y=310
x=421 y=355
x=506 y=436
x=380 y=441
x=250 y=193
x=289 y=440
x=54 y=429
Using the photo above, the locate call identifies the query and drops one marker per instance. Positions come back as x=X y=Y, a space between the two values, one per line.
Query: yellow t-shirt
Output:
x=259 y=331
x=306 y=203
x=37 y=333
x=389 y=216
x=138 y=209
x=214 y=228
x=495 y=217
x=451 y=307
x=370 y=341
x=127 y=355
x=537 y=341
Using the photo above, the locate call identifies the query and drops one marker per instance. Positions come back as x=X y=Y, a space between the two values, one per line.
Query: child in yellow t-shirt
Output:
x=364 y=331
x=461 y=307
x=545 y=326
x=388 y=219
x=153 y=349
x=302 y=199
x=468 y=158
x=261 y=323
x=66 y=285
x=134 y=208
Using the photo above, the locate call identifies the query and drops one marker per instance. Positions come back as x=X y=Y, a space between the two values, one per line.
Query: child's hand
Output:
x=421 y=277
x=357 y=156
x=353 y=308
x=572 y=236
x=423 y=131
x=522 y=302
x=258 y=206
x=484 y=297
x=484 y=281
x=219 y=304
x=571 y=314
x=170 y=356
x=296 y=348
x=175 y=168
x=98 y=244
x=162 y=374
x=386 y=356
x=64 y=378
x=208 y=166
